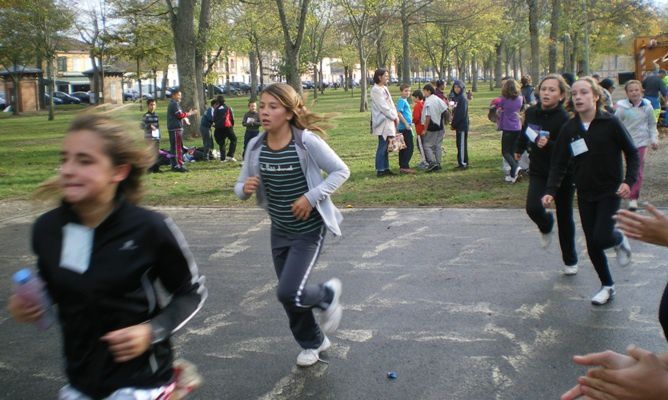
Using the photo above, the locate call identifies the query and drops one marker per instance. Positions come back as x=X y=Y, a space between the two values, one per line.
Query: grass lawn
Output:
x=29 y=146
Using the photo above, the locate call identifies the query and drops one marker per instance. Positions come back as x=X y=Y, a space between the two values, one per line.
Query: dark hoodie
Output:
x=460 y=117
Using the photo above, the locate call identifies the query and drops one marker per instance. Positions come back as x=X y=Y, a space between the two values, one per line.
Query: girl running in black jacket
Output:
x=594 y=141
x=542 y=124
x=101 y=257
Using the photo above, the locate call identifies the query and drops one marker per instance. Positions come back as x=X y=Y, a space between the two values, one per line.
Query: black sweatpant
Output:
x=545 y=221
x=406 y=154
x=462 y=147
x=600 y=232
x=220 y=134
x=294 y=257
x=508 y=139
x=663 y=312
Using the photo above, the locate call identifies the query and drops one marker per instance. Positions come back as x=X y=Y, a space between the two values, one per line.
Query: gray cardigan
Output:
x=315 y=156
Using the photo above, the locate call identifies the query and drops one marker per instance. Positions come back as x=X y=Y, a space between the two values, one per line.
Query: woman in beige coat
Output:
x=384 y=119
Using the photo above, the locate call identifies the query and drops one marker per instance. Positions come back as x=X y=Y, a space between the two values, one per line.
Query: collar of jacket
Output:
x=297 y=134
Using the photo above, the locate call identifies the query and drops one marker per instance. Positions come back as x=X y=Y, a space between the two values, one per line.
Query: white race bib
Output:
x=155 y=133
x=531 y=134
x=77 y=247
x=578 y=147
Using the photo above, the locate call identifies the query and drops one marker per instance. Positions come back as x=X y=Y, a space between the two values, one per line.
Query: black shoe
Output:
x=433 y=168
x=177 y=169
x=461 y=167
x=387 y=172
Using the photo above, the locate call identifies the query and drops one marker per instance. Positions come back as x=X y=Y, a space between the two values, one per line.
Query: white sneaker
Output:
x=508 y=178
x=308 y=357
x=570 y=270
x=331 y=317
x=633 y=205
x=623 y=251
x=230 y=159
x=604 y=295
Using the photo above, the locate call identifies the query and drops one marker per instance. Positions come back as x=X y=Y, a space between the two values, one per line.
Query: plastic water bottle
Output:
x=30 y=288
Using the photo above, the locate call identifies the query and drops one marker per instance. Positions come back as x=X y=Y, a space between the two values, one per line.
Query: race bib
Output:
x=578 y=147
x=77 y=247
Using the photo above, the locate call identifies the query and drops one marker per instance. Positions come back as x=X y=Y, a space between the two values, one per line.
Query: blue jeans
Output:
x=655 y=102
x=382 y=159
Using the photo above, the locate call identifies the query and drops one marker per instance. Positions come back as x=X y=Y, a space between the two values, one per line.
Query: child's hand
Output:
x=251 y=185
x=128 y=343
x=22 y=311
x=655 y=146
x=624 y=191
x=301 y=208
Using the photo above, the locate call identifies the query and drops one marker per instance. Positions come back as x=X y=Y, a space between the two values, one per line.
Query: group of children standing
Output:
x=432 y=110
x=218 y=115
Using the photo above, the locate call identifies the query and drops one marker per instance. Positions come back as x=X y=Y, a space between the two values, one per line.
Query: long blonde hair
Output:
x=119 y=146
x=293 y=102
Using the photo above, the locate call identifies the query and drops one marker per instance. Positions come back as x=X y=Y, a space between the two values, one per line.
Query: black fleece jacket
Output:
x=132 y=249
x=598 y=171
x=538 y=119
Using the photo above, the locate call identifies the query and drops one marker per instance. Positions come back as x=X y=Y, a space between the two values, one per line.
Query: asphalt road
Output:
x=461 y=304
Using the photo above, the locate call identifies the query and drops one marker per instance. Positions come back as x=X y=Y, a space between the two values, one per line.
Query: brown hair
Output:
x=526 y=80
x=563 y=86
x=119 y=145
x=293 y=102
x=404 y=86
x=511 y=89
x=596 y=89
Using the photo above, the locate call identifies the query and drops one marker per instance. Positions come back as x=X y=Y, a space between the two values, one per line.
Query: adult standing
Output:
x=594 y=141
x=528 y=92
x=384 y=119
x=508 y=110
x=432 y=119
x=175 y=120
x=542 y=126
x=224 y=120
x=654 y=88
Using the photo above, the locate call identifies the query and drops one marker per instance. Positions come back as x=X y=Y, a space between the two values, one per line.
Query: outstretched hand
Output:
x=652 y=228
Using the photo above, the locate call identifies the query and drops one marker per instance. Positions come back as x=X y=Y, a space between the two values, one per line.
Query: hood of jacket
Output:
x=461 y=85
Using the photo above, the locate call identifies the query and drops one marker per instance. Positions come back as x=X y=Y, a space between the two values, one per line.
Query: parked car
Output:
x=130 y=95
x=56 y=100
x=307 y=85
x=66 y=98
x=83 y=96
x=240 y=87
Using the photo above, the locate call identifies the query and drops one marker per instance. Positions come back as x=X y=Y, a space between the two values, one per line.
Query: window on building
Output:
x=62 y=64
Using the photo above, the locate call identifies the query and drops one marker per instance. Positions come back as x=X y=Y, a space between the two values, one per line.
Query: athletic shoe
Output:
x=633 y=205
x=604 y=295
x=187 y=378
x=517 y=176
x=570 y=270
x=331 y=317
x=387 y=172
x=230 y=159
x=308 y=357
x=422 y=165
x=508 y=178
x=432 y=167
x=408 y=171
x=177 y=169
x=623 y=251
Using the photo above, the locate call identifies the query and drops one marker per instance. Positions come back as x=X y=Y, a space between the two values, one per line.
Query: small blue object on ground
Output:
x=392 y=375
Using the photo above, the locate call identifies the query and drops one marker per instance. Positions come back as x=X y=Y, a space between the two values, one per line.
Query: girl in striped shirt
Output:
x=283 y=167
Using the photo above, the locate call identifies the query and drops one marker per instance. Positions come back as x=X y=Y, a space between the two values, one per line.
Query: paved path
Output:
x=462 y=304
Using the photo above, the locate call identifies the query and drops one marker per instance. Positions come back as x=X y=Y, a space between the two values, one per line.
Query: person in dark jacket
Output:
x=176 y=117
x=460 y=122
x=252 y=123
x=222 y=132
x=594 y=141
x=101 y=257
x=205 y=124
x=542 y=125
x=151 y=127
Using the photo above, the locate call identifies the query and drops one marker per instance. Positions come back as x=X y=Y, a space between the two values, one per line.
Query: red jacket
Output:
x=417 y=115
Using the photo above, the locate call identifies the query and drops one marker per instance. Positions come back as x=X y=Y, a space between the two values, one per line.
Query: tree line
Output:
x=420 y=38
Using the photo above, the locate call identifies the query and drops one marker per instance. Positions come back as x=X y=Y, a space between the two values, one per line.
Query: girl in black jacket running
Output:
x=542 y=124
x=595 y=141
x=101 y=257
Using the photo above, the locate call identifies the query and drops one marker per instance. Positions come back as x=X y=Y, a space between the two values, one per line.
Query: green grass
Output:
x=29 y=146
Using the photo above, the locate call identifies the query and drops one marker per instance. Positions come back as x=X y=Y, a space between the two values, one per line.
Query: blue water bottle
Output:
x=30 y=288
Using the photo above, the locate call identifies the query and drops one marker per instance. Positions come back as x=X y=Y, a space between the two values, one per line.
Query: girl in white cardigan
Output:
x=384 y=119
x=637 y=116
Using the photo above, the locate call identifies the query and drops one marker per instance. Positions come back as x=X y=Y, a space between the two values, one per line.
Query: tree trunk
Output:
x=585 y=39
x=363 y=81
x=567 y=53
x=52 y=81
x=292 y=48
x=140 y=88
x=533 y=34
x=315 y=81
x=165 y=82
x=554 y=30
x=474 y=68
x=497 y=64
x=252 y=57
x=184 y=47
x=200 y=60
x=574 y=53
x=521 y=58
x=346 y=80
x=405 y=44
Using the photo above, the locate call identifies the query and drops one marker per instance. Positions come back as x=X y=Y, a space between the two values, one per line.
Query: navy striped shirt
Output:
x=284 y=182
